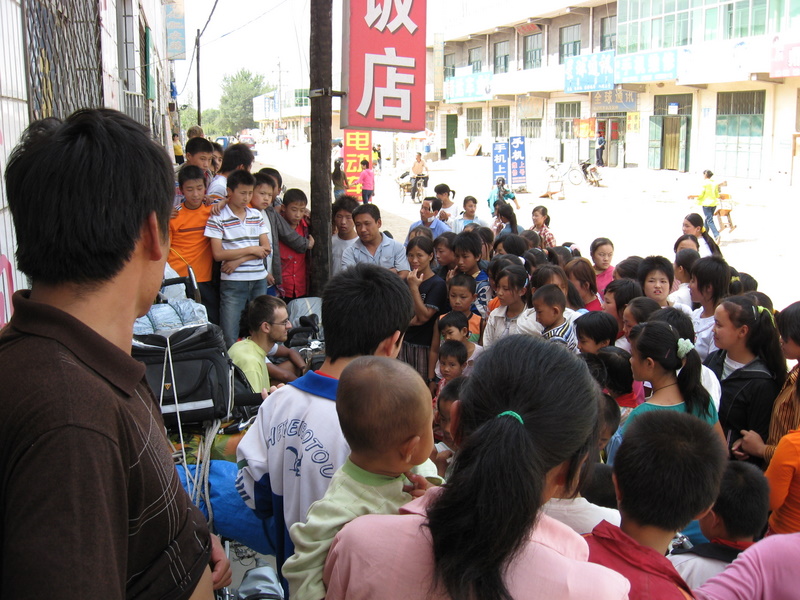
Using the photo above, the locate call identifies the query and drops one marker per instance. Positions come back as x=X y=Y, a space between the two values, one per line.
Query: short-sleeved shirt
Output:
x=434 y=295
x=437 y=228
x=237 y=233
x=188 y=243
x=218 y=188
x=389 y=254
x=252 y=360
x=338 y=246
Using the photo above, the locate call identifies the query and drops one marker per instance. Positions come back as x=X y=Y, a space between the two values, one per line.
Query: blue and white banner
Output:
x=499 y=161
x=517 y=166
x=589 y=72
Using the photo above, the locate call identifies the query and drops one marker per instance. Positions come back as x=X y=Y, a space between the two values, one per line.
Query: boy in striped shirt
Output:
x=239 y=240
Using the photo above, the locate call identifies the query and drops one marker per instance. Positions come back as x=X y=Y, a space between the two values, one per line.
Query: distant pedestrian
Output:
x=709 y=199
x=367 y=181
x=600 y=146
x=286 y=143
x=177 y=149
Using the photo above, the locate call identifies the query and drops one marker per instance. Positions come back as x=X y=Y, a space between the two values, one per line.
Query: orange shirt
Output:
x=493 y=303
x=783 y=475
x=187 y=241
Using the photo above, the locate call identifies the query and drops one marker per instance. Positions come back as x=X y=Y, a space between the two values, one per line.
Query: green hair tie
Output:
x=761 y=309
x=511 y=413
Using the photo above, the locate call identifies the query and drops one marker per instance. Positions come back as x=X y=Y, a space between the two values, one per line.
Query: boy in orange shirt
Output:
x=188 y=244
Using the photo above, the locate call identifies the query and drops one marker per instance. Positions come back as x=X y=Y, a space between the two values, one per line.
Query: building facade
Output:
x=682 y=85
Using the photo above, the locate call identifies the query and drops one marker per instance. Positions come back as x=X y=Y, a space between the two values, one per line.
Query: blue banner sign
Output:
x=176 y=30
x=659 y=65
x=517 y=167
x=499 y=161
x=474 y=87
x=614 y=101
x=589 y=72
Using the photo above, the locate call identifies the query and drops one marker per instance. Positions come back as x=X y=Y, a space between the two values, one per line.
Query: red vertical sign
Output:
x=384 y=64
x=357 y=147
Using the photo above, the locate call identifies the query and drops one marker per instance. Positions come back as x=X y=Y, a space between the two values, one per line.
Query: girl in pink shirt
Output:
x=367 y=181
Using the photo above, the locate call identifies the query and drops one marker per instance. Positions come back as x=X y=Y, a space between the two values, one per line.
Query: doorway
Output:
x=668 y=145
x=451 y=133
x=613 y=129
x=671 y=143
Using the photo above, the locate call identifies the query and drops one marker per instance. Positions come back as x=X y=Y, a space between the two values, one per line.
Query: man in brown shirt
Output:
x=90 y=502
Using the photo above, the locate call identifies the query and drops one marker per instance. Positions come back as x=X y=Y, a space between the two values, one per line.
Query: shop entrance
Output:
x=612 y=126
x=668 y=144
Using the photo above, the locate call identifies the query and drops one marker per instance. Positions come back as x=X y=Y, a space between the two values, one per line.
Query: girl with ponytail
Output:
x=482 y=535
x=750 y=366
x=693 y=224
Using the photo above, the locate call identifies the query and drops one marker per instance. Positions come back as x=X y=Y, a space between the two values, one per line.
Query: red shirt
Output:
x=293 y=267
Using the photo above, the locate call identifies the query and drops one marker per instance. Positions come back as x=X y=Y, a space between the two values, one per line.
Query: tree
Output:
x=236 y=103
x=188 y=116
x=211 y=122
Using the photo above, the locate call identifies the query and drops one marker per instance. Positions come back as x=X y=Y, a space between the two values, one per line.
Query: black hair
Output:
x=624 y=291
x=486 y=235
x=452 y=390
x=190 y=172
x=498 y=263
x=574 y=251
x=659 y=341
x=534 y=258
x=467 y=199
x=90 y=231
x=240 y=177
x=542 y=210
x=517 y=280
x=599 y=487
x=582 y=270
x=610 y=414
x=344 y=203
x=264 y=179
x=551 y=295
x=762 y=335
x=619 y=376
x=365 y=163
x=347 y=333
x=655 y=263
x=683 y=238
x=454 y=319
x=436 y=204
x=679 y=320
x=462 y=280
x=295 y=195
x=559 y=255
x=195 y=145
x=422 y=242
x=421 y=231
x=274 y=173
x=505 y=211
x=668 y=469
x=712 y=271
x=574 y=299
x=596 y=368
x=760 y=299
x=642 y=307
x=598 y=326
x=628 y=268
x=476 y=532
x=788 y=322
x=453 y=349
x=545 y=273
x=259 y=310
x=445 y=239
x=532 y=238
x=369 y=209
x=512 y=244
x=218 y=148
x=236 y=156
x=749 y=283
x=743 y=500
x=698 y=221
x=467 y=241
x=443 y=188
x=686 y=257
x=597 y=242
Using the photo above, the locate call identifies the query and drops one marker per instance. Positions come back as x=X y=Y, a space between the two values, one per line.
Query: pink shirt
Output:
x=367 y=179
x=390 y=557
x=603 y=279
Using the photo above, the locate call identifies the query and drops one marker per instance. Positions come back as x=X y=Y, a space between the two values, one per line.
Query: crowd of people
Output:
x=496 y=416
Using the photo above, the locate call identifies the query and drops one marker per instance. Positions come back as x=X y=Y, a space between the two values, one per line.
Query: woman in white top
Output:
x=513 y=290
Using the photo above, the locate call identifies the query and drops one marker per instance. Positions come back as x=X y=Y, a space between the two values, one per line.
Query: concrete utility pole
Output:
x=321 y=81
x=199 y=111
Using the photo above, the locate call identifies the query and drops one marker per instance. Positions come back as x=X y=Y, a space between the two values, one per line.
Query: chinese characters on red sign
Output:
x=357 y=147
x=384 y=64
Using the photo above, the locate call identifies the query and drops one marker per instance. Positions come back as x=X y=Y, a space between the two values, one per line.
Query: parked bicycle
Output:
x=561 y=171
x=412 y=186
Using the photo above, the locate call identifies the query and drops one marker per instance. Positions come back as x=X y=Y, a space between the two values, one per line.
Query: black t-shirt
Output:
x=434 y=293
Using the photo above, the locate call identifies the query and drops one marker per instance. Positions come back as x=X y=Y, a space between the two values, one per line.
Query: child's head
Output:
x=461 y=291
x=449 y=394
x=419 y=253
x=420 y=230
x=602 y=252
x=452 y=359
x=540 y=216
x=610 y=417
x=216 y=157
x=550 y=274
x=497 y=264
x=235 y=157
x=467 y=249
x=342 y=211
x=628 y=268
x=711 y=277
x=619 y=377
x=581 y=272
x=598 y=487
x=511 y=286
x=364 y=164
x=385 y=412
x=263 y=192
x=443 y=249
x=679 y=320
x=684 y=261
x=443 y=192
x=655 y=275
x=595 y=330
x=511 y=243
x=740 y=512
x=617 y=295
x=788 y=322
x=549 y=302
x=192 y=182
x=470 y=206
x=276 y=175
x=199 y=152
x=687 y=242
x=454 y=326
x=668 y=470
x=638 y=311
x=531 y=238
x=486 y=236
x=240 y=188
x=294 y=206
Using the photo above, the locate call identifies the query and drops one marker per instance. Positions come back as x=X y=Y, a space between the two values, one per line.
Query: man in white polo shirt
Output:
x=372 y=246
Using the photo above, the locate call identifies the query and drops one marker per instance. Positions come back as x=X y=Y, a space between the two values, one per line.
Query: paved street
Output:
x=639 y=209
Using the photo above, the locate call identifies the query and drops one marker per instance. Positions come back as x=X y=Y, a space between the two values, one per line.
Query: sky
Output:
x=244 y=34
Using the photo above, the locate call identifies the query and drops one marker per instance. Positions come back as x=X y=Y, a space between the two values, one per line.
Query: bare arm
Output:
x=220 y=254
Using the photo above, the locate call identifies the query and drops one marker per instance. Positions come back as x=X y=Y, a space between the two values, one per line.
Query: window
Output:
x=501 y=117
x=430 y=117
x=531 y=128
x=474 y=122
x=608 y=33
x=532 y=49
x=449 y=65
x=569 y=42
x=741 y=103
x=566 y=112
x=501 y=57
x=301 y=97
x=475 y=59
x=682 y=37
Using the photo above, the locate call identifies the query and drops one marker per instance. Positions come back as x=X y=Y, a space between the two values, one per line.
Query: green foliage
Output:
x=188 y=117
x=211 y=122
x=236 y=103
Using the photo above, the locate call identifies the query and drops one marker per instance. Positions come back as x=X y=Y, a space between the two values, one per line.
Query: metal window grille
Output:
x=501 y=117
x=569 y=42
x=531 y=128
x=501 y=57
x=532 y=51
x=684 y=102
x=741 y=103
x=475 y=59
x=474 y=122
x=608 y=33
x=449 y=65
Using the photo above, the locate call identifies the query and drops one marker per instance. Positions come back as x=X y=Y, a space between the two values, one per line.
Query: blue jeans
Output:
x=234 y=296
x=366 y=196
x=708 y=211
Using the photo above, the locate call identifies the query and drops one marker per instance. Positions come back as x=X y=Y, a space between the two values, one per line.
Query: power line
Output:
x=250 y=22
x=213 y=8
x=196 y=43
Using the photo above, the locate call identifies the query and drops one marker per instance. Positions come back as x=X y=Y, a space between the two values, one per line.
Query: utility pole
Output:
x=197 y=41
x=321 y=81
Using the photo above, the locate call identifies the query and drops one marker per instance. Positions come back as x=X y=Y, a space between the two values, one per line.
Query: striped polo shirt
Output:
x=236 y=233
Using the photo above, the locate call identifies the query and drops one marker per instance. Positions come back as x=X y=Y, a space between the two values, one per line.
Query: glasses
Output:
x=285 y=323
